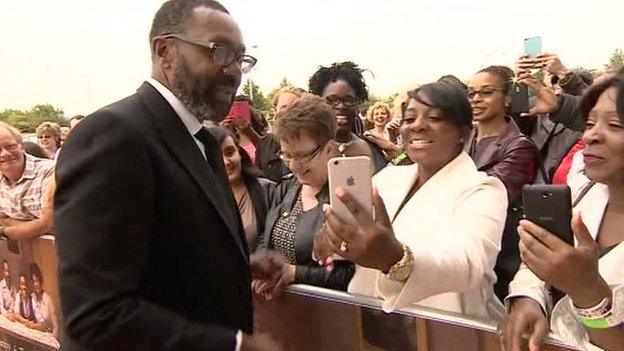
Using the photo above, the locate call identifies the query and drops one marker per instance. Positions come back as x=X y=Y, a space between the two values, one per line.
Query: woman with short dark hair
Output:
x=590 y=273
x=439 y=217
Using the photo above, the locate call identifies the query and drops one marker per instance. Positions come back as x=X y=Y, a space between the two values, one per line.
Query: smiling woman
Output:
x=306 y=133
x=252 y=193
x=499 y=149
x=590 y=274
x=343 y=88
x=437 y=217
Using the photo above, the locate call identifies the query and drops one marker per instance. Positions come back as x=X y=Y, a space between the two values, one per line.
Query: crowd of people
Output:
x=450 y=160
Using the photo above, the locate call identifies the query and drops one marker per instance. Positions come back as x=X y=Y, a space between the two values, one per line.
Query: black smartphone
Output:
x=550 y=207
x=519 y=98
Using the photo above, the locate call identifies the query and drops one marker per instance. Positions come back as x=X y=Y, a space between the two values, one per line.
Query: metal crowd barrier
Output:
x=303 y=318
x=312 y=318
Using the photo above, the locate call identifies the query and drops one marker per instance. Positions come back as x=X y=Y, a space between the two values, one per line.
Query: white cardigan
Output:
x=453 y=224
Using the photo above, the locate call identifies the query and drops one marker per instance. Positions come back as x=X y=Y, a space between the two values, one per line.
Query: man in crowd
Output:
x=73 y=122
x=152 y=253
x=23 y=179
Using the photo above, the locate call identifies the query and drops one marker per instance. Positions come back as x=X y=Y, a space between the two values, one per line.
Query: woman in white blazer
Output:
x=591 y=274
x=438 y=223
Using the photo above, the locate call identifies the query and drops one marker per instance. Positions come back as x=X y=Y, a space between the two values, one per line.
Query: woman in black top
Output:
x=306 y=134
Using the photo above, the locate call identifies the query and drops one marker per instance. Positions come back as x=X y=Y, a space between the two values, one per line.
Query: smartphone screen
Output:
x=532 y=46
x=240 y=109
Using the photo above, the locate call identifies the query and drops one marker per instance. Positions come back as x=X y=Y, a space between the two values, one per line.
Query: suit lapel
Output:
x=178 y=140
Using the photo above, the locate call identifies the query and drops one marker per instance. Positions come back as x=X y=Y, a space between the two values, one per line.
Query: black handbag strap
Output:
x=583 y=192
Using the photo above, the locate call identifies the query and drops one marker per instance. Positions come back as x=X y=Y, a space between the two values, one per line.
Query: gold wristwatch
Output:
x=401 y=270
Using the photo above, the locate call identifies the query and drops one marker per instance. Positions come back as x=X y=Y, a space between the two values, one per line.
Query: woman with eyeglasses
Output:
x=342 y=86
x=306 y=133
x=499 y=149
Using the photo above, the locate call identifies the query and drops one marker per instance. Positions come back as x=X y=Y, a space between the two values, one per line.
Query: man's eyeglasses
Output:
x=301 y=159
x=348 y=101
x=483 y=92
x=10 y=148
x=221 y=54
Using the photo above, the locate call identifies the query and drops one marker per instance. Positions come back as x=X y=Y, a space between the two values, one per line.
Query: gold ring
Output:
x=343 y=246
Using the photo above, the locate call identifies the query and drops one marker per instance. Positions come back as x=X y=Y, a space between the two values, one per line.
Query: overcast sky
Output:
x=80 y=55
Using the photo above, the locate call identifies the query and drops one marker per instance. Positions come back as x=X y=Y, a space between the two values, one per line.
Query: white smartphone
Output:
x=354 y=174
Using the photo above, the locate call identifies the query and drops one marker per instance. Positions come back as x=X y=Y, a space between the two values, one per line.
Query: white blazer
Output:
x=453 y=224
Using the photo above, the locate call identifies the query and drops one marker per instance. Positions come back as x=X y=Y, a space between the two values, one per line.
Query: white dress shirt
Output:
x=453 y=225
x=190 y=121
x=193 y=125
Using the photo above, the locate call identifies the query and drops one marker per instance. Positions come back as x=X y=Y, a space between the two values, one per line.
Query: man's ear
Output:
x=332 y=146
x=163 y=51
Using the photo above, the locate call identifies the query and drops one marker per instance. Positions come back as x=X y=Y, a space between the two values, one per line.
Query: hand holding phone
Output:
x=354 y=175
x=240 y=109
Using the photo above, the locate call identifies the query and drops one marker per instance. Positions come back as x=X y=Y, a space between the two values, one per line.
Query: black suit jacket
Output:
x=151 y=249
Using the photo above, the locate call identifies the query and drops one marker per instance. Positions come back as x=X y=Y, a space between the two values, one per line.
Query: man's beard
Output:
x=197 y=93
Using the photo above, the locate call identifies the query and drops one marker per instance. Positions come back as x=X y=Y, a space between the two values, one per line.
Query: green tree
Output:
x=616 y=61
x=284 y=83
x=27 y=121
x=252 y=90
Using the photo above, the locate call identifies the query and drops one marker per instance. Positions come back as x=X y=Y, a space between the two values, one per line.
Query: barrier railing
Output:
x=312 y=318
x=303 y=318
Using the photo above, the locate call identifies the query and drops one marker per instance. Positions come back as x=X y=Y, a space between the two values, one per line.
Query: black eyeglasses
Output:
x=220 y=54
x=301 y=159
x=483 y=92
x=348 y=101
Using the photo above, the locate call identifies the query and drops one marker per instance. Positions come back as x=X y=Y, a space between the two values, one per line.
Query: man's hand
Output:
x=526 y=317
x=261 y=287
x=268 y=268
x=259 y=342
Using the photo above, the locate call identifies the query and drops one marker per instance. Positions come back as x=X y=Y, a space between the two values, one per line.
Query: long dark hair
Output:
x=249 y=171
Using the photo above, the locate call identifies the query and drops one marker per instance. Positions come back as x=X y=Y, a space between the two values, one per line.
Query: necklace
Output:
x=343 y=146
